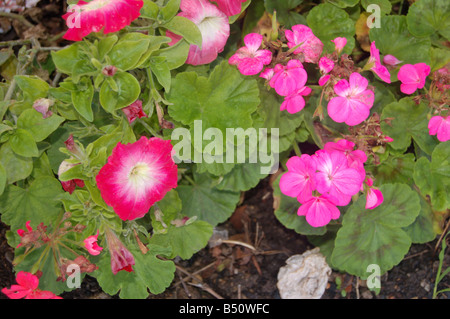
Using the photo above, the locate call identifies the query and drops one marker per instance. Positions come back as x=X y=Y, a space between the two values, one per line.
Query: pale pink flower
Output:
x=299 y=180
x=121 y=257
x=249 y=59
x=295 y=102
x=440 y=126
x=288 y=79
x=43 y=106
x=339 y=44
x=391 y=60
x=310 y=45
x=230 y=7
x=319 y=211
x=213 y=25
x=134 y=111
x=267 y=73
x=376 y=66
x=354 y=100
x=335 y=178
x=374 y=197
x=100 y=15
x=27 y=286
x=137 y=175
x=413 y=77
x=91 y=245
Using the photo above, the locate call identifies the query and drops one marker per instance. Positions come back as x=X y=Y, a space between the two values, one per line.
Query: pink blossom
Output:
x=310 y=45
x=413 y=77
x=319 y=211
x=288 y=79
x=325 y=65
x=134 y=111
x=339 y=44
x=354 y=100
x=230 y=7
x=376 y=66
x=100 y=15
x=267 y=73
x=299 y=180
x=355 y=158
x=43 y=106
x=91 y=245
x=295 y=102
x=391 y=60
x=121 y=257
x=374 y=197
x=324 y=79
x=249 y=59
x=28 y=233
x=213 y=25
x=27 y=286
x=440 y=126
x=137 y=175
x=335 y=177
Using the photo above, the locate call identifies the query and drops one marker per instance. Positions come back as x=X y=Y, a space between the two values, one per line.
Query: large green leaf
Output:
x=286 y=212
x=207 y=202
x=149 y=273
x=65 y=59
x=393 y=37
x=395 y=169
x=82 y=98
x=329 y=22
x=40 y=128
x=344 y=3
x=17 y=167
x=126 y=53
x=242 y=177
x=421 y=230
x=128 y=90
x=186 y=28
x=376 y=236
x=426 y=17
x=36 y=203
x=433 y=177
x=409 y=121
x=23 y=143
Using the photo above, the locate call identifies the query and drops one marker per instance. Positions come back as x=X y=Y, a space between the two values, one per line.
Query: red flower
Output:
x=134 y=111
x=121 y=257
x=27 y=286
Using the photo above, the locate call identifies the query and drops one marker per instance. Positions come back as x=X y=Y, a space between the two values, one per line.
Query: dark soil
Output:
x=235 y=272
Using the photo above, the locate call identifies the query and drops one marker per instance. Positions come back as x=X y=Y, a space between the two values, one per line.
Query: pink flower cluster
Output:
x=328 y=179
x=27 y=287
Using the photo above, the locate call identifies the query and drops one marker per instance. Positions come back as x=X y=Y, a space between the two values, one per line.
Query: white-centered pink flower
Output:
x=100 y=15
x=440 y=126
x=413 y=77
x=136 y=176
x=91 y=245
x=354 y=101
x=249 y=59
x=335 y=178
x=299 y=180
x=375 y=65
x=288 y=79
x=339 y=44
x=213 y=25
x=230 y=7
x=374 y=197
x=319 y=211
x=295 y=102
x=309 y=45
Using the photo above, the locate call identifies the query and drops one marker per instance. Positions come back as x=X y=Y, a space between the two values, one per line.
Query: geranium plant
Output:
x=160 y=113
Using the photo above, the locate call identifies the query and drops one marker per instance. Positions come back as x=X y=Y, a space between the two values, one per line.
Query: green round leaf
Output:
x=40 y=128
x=17 y=167
x=82 y=98
x=375 y=236
x=128 y=90
x=23 y=143
x=426 y=17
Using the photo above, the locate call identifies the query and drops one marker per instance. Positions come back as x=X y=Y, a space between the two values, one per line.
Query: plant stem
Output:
x=296 y=149
x=189 y=179
x=19 y=17
x=148 y=128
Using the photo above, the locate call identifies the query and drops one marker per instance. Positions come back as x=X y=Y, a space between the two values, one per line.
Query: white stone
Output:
x=304 y=276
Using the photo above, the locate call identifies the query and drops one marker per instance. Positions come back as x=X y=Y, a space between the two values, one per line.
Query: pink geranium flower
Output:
x=324 y=79
x=354 y=100
x=299 y=180
x=310 y=45
x=375 y=64
x=339 y=44
x=374 y=197
x=335 y=178
x=121 y=257
x=325 y=66
x=137 y=175
x=355 y=158
x=295 y=102
x=413 y=77
x=27 y=286
x=134 y=111
x=100 y=15
x=391 y=60
x=440 y=126
x=230 y=7
x=249 y=59
x=288 y=79
x=91 y=245
x=213 y=25
x=267 y=74
x=319 y=211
